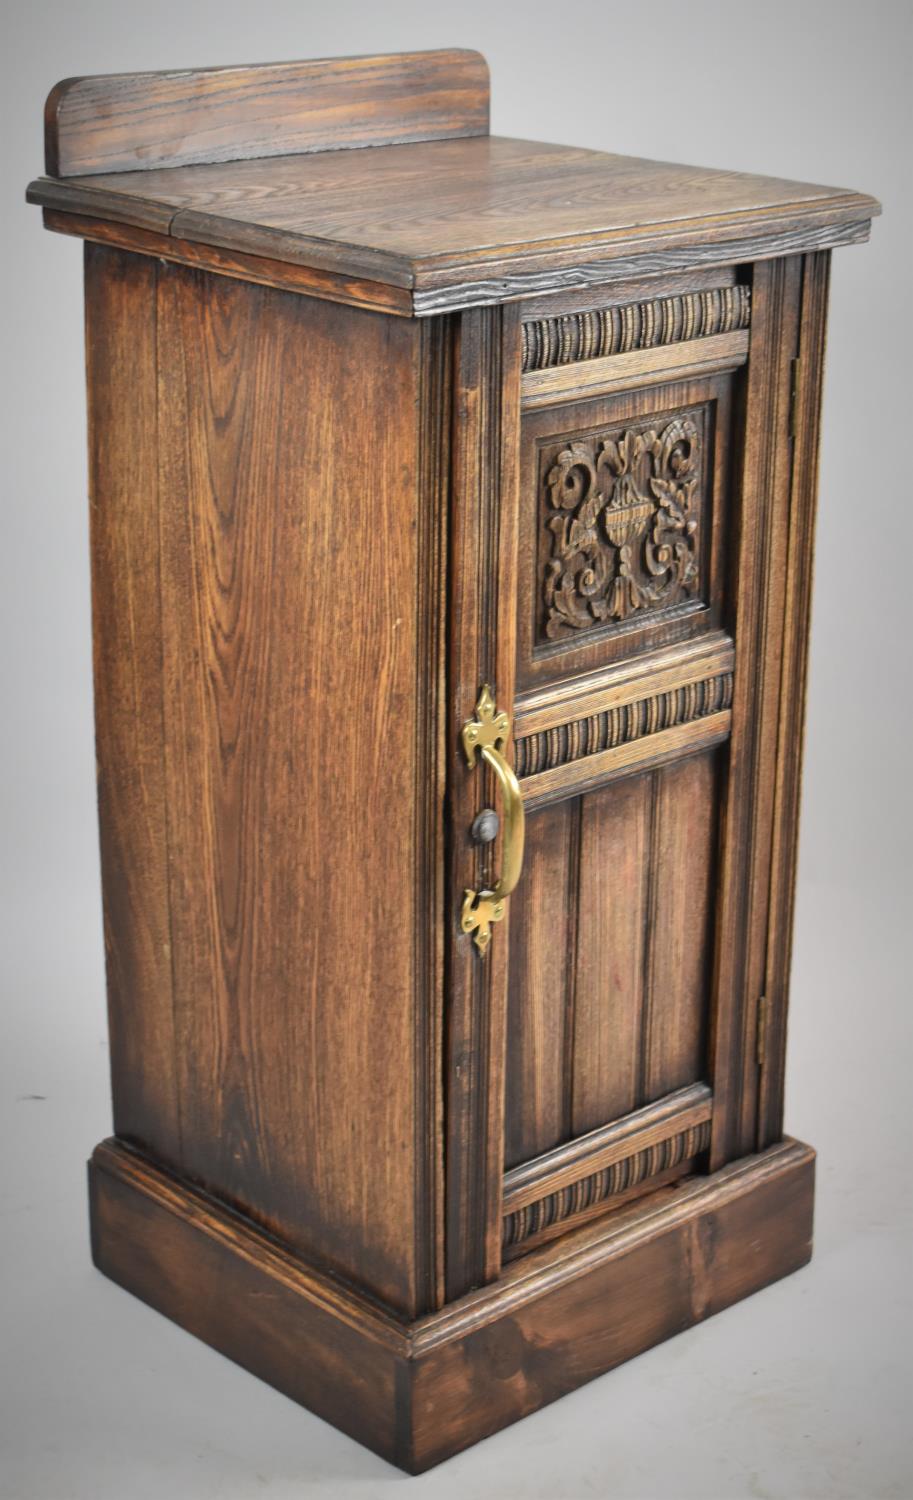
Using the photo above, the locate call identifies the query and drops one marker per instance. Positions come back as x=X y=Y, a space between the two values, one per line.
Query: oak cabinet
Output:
x=452 y=506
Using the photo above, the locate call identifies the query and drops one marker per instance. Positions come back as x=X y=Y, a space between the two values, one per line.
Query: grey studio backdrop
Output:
x=801 y=1391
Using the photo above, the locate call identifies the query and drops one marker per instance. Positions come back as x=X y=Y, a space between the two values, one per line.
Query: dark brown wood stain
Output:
x=370 y=430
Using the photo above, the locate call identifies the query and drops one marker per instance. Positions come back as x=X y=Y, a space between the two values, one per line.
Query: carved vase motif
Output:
x=624 y=535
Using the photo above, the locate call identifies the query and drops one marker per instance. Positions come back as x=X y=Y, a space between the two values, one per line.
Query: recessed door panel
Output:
x=610 y=955
x=623 y=526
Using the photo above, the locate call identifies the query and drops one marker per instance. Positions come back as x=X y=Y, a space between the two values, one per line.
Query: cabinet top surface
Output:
x=457 y=221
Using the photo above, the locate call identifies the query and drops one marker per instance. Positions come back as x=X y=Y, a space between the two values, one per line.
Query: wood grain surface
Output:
x=607 y=1145
x=541 y=985
x=473 y=221
x=546 y=433
x=628 y=371
x=763 y=483
x=481 y=649
x=808 y=382
x=376 y=296
x=572 y=1315
x=611 y=946
x=420 y=1392
x=128 y=668
x=224 y=1280
x=286 y=817
x=140 y=121
x=368 y=430
x=613 y=874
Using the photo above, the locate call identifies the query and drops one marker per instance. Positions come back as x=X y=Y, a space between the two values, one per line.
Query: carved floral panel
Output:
x=621 y=524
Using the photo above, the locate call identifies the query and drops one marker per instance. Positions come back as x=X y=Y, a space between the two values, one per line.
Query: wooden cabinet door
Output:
x=629 y=566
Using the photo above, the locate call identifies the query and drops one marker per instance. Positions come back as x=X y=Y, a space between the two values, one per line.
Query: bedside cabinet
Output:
x=452 y=512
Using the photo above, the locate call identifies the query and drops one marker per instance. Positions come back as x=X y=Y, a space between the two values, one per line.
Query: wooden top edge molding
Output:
x=678 y=252
x=464 y=219
x=139 y=121
x=376 y=296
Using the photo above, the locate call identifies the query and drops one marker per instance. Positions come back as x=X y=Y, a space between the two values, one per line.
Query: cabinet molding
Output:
x=417 y=1394
x=637 y=720
x=573 y=1181
x=634 y=325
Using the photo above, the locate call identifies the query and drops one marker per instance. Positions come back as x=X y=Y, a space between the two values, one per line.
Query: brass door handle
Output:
x=485 y=735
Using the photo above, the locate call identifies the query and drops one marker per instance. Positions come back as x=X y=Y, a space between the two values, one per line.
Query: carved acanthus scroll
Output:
x=621 y=515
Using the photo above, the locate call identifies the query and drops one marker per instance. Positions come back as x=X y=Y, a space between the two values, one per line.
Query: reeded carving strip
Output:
x=572 y=337
x=620 y=1177
x=622 y=724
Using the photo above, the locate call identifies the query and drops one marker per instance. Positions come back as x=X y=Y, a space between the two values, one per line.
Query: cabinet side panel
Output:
x=120 y=368
x=291 y=599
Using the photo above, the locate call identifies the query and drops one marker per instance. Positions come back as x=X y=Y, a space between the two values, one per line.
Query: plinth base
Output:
x=418 y=1393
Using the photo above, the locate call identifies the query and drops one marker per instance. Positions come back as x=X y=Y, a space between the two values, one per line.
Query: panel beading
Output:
x=572 y=337
x=621 y=724
x=620 y=1177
